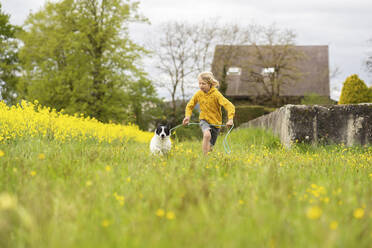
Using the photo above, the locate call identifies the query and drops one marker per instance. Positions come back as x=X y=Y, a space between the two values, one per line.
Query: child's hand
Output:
x=229 y=123
x=186 y=120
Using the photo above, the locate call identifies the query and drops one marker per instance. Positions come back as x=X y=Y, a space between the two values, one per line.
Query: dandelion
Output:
x=160 y=213
x=2 y=154
x=33 y=173
x=337 y=192
x=88 y=183
x=333 y=225
x=128 y=179
x=119 y=198
x=41 y=156
x=241 y=202
x=108 y=168
x=313 y=212
x=358 y=213
x=170 y=215
x=7 y=201
x=105 y=223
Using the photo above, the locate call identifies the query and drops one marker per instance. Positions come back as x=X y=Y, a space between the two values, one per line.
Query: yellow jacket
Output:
x=210 y=106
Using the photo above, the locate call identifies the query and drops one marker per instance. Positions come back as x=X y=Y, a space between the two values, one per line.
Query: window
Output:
x=267 y=71
x=234 y=71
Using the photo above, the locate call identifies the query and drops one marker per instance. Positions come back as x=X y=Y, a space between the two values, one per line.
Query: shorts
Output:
x=204 y=125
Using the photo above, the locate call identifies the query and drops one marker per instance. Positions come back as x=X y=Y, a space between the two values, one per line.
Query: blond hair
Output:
x=208 y=77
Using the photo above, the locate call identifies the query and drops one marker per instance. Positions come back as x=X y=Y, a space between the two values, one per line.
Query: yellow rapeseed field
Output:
x=27 y=119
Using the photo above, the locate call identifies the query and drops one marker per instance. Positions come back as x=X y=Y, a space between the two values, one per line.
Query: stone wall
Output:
x=347 y=124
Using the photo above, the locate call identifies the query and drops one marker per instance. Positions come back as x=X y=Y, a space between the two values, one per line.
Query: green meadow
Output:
x=118 y=195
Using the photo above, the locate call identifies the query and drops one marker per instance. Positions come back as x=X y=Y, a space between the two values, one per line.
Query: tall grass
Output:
x=100 y=194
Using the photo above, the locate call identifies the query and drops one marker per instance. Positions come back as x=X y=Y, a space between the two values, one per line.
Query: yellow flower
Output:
x=160 y=212
x=313 y=212
x=105 y=223
x=359 y=213
x=128 y=179
x=33 y=173
x=88 y=183
x=119 y=198
x=29 y=119
x=333 y=225
x=41 y=156
x=2 y=153
x=170 y=215
x=7 y=201
x=241 y=202
x=108 y=168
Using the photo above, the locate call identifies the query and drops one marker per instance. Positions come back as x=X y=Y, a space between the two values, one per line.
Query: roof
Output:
x=312 y=76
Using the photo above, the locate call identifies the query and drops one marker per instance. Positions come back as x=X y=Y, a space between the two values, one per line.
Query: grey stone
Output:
x=336 y=124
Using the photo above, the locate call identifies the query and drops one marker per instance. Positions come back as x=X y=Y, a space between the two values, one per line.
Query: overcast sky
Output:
x=344 y=25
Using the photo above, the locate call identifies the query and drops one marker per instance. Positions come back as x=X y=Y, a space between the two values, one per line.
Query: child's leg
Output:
x=206 y=141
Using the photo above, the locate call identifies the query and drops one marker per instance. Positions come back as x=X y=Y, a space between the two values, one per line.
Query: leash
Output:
x=225 y=143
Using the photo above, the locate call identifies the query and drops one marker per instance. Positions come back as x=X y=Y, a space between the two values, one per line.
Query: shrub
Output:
x=354 y=90
x=245 y=113
x=313 y=98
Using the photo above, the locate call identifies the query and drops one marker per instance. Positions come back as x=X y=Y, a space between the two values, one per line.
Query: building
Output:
x=247 y=71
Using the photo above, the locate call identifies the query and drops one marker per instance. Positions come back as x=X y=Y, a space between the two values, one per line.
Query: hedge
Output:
x=245 y=113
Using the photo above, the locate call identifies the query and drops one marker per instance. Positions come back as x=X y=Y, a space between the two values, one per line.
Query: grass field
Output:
x=101 y=194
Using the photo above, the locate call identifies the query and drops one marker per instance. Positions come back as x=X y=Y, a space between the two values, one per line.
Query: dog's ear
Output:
x=167 y=130
x=158 y=130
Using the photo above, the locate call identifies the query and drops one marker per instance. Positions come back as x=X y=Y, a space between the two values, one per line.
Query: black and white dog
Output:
x=161 y=144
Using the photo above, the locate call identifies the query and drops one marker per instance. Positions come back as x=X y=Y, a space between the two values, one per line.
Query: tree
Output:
x=354 y=90
x=185 y=49
x=269 y=54
x=78 y=56
x=181 y=52
x=9 y=66
x=231 y=36
x=274 y=50
x=144 y=104
x=185 y=45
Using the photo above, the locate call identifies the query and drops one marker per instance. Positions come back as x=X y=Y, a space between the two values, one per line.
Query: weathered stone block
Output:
x=347 y=124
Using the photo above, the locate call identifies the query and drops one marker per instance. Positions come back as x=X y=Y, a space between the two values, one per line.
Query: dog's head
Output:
x=162 y=131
